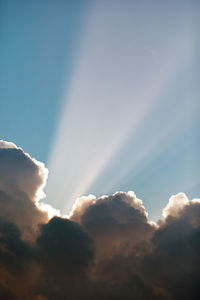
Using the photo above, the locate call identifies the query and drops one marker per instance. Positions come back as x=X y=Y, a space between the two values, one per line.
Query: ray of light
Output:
x=123 y=67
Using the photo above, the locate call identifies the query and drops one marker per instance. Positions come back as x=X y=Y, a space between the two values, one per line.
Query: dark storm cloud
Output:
x=66 y=253
x=17 y=264
x=173 y=265
x=106 y=250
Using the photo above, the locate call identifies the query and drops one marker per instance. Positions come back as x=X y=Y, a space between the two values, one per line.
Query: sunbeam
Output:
x=123 y=68
x=99 y=150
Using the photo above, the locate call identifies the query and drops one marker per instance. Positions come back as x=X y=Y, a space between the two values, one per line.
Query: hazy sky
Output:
x=105 y=93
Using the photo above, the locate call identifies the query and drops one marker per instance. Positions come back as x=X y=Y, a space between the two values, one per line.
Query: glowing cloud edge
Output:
x=173 y=208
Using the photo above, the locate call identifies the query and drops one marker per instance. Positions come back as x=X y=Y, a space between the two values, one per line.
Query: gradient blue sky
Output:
x=39 y=40
x=105 y=93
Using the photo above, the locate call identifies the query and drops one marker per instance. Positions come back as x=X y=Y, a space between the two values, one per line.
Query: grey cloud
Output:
x=21 y=181
x=106 y=250
x=116 y=223
x=66 y=253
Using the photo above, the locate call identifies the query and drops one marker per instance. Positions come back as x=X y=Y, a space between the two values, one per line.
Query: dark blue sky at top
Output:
x=38 y=45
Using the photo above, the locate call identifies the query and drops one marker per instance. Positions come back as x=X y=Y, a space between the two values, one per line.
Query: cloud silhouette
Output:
x=106 y=249
x=65 y=252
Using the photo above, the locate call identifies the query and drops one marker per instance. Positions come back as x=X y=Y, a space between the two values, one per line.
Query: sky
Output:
x=99 y=150
x=38 y=47
x=106 y=94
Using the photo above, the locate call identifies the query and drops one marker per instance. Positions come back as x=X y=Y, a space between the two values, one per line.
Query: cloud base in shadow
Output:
x=106 y=249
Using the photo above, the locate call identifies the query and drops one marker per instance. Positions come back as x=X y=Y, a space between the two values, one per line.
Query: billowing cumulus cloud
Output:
x=112 y=221
x=106 y=249
x=22 y=179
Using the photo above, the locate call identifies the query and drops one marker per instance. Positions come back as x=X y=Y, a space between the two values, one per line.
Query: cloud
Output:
x=20 y=172
x=112 y=221
x=22 y=179
x=105 y=249
x=65 y=252
x=172 y=267
x=175 y=205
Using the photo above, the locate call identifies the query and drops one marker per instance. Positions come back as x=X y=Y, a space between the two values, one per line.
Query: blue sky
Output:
x=105 y=93
x=38 y=46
